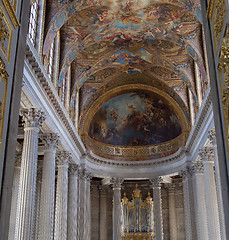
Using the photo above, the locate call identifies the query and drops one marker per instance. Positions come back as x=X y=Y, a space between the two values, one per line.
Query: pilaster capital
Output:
x=117 y=182
x=32 y=117
x=88 y=175
x=212 y=136
x=50 y=140
x=156 y=182
x=103 y=189
x=185 y=173
x=206 y=154
x=197 y=167
x=171 y=187
x=62 y=158
x=73 y=169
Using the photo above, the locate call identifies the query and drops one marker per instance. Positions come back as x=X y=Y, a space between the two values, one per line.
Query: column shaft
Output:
x=27 y=186
x=117 y=210
x=81 y=205
x=200 y=205
x=48 y=187
x=73 y=203
x=103 y=215
x=87 y=213
x=61 y=197
x=206 y=154
x=172 y=215
x=15 y=190
x=157 y=211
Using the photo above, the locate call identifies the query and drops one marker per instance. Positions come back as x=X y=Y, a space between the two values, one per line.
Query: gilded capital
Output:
x=50 y=140
x=32 y=117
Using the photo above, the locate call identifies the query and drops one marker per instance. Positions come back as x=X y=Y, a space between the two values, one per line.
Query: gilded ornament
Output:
x=4 y=33
x=11 y=13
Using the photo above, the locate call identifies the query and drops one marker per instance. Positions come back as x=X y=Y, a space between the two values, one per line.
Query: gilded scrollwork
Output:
x=217 y=14
x=3 y=83
x=11 y=12
x=4 y=33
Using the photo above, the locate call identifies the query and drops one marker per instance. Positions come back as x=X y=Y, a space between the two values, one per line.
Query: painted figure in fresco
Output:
x=135 y=119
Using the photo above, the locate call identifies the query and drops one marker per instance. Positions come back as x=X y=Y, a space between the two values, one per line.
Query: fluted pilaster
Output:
x=117 y=210
x=27 y=186
x=190 y=226
x=212 y=138
x=50 y=141
x=199 y=200
x=15 y=189
x=158 y=218
x=172 y=213
x=60 y=232
x=206 y=154
x=73 y=202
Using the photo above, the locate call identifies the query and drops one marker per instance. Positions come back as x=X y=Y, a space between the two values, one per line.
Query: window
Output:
x=33 y=21
x=50 y=60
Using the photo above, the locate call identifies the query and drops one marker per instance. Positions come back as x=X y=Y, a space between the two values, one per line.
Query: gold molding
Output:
x=11 y=13
x=3 y=78
x=5 y=34
x=210 y=9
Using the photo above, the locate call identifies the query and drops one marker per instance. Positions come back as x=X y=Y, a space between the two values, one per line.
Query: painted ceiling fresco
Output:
x=105 y=42
x=135 y=119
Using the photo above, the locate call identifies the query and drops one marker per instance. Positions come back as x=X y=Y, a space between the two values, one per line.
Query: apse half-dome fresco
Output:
x=135 y=119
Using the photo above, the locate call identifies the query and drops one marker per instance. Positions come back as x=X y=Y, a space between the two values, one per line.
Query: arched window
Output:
x=33 y=21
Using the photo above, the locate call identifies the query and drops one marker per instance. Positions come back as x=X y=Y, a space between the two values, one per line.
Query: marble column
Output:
x=33 y=119
x=73 y=202
x=172 y=212
x=103 y=212
x=199 y=200
x=157 y=211
x=37 y=202
x=190 y=226
x=212 y=138
x=117 y=210
x=206 y=154
x=87 y=206
x=50 y=141
x=81 y=209
x=60 y=232
x=15 y=188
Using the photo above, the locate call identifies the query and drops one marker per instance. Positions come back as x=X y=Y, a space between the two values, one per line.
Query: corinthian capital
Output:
x=50 y=140
x=206 y=154
x=63 y=158
x=32 y=117
x=212 y=136
x=116 y=182
x=73 y=169
x=197 y=167
x=156 y=182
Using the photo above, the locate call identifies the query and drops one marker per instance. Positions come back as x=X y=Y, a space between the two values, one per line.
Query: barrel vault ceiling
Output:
x=115 y=48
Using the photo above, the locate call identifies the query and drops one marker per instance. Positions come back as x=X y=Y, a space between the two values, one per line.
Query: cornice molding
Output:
x=36 y=65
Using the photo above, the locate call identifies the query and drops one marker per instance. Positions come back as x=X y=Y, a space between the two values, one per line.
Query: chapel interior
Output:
x=114 y=120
